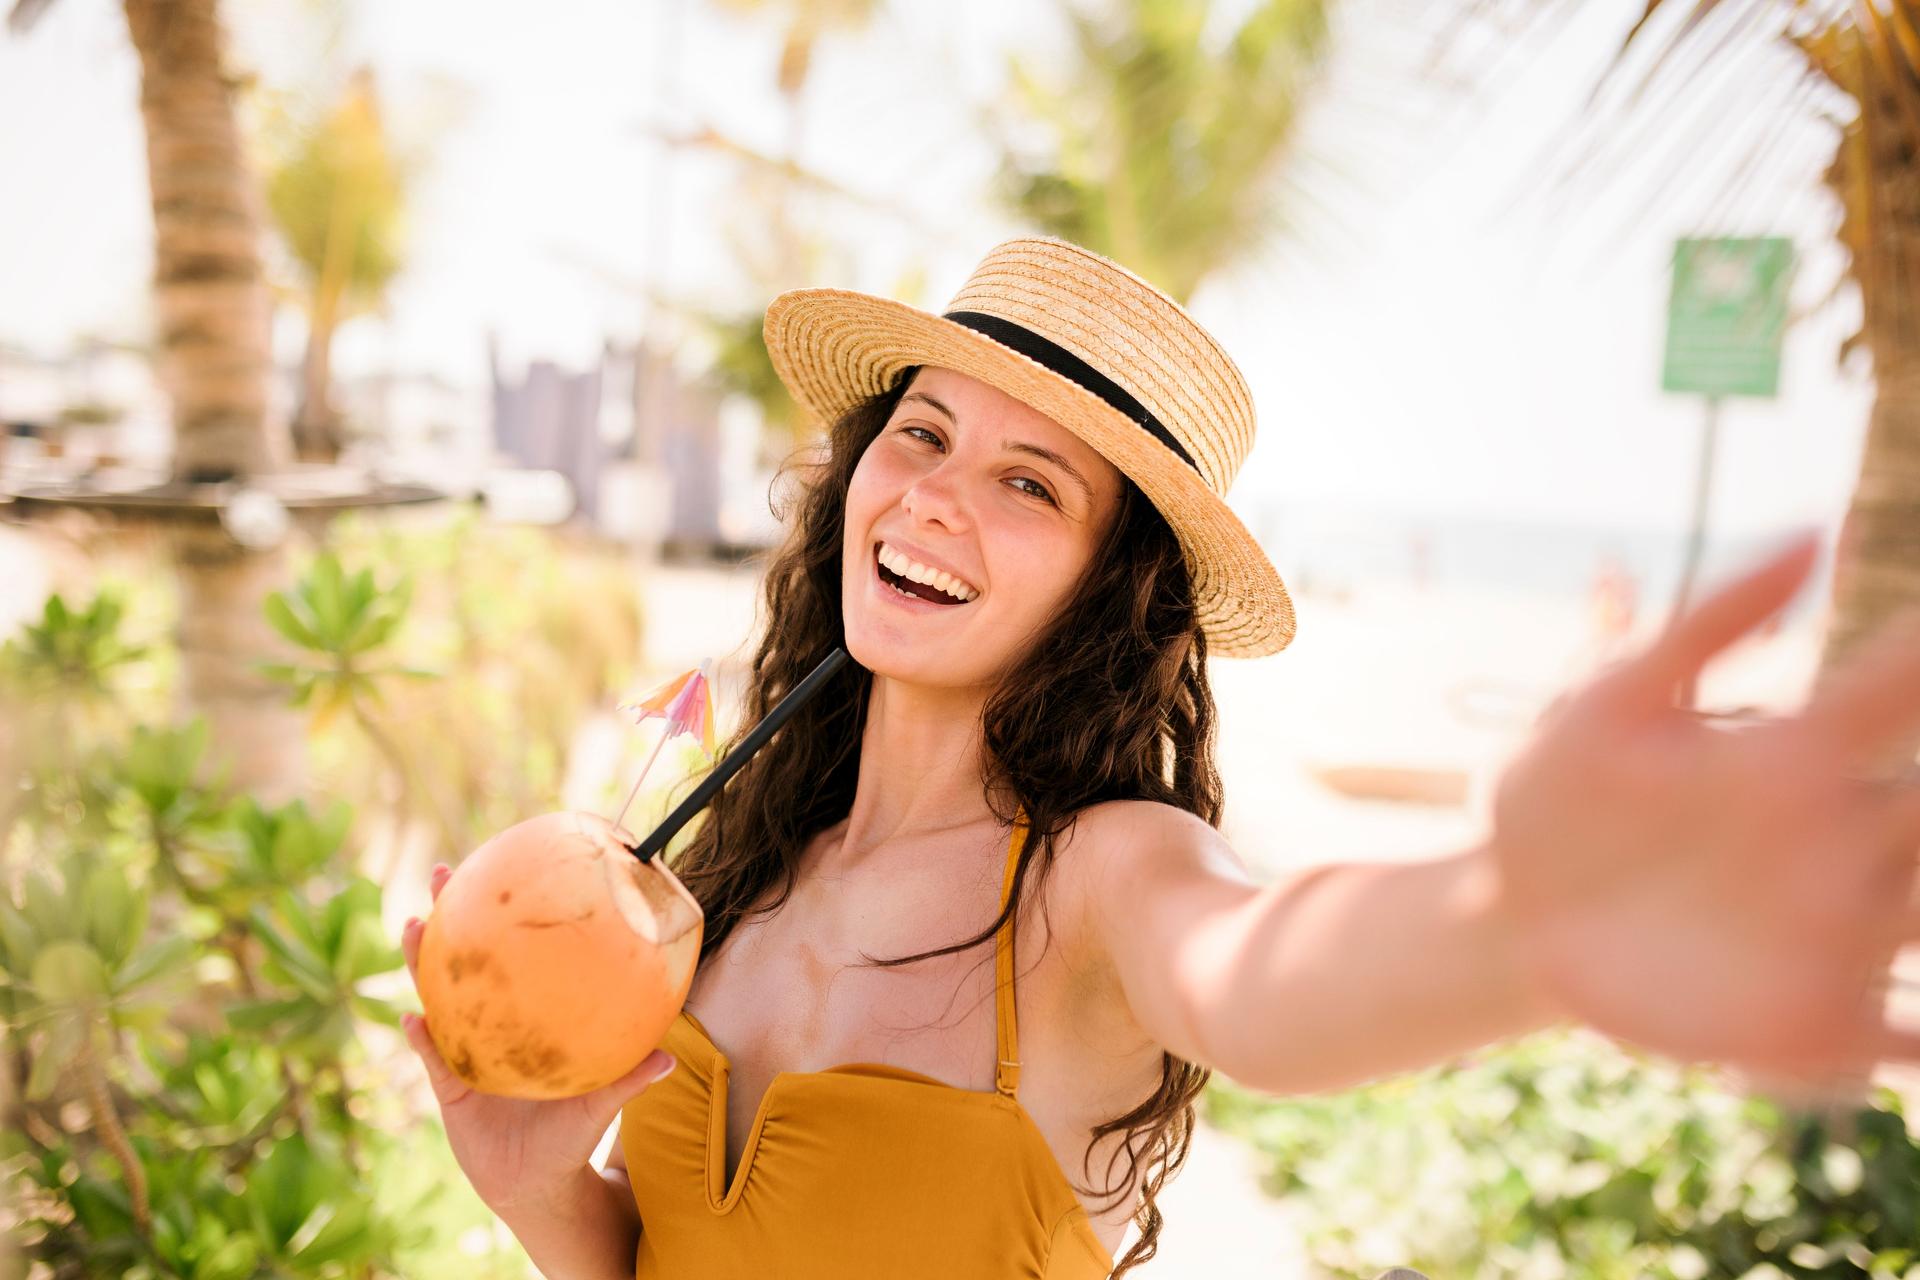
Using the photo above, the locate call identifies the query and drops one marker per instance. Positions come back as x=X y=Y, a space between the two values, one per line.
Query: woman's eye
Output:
x=923 y=430
x=1039 y=490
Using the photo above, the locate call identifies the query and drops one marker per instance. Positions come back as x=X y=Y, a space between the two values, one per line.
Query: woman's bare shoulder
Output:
x=1092 y=855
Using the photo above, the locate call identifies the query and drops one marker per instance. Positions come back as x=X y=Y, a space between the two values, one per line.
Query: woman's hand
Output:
x=1728 y=896
x=517 y=1154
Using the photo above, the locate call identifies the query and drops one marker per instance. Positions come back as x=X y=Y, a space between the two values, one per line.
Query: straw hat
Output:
x=1085 y=341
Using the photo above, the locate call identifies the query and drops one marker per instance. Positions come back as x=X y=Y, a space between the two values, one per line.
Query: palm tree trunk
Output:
x=315 y=430
x=1877 y=566
x=210 y=292
x=254 y=730
x=213 y=314
x=316 y=427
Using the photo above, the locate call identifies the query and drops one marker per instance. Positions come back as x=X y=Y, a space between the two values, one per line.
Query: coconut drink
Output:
x=555 y=959
x=559 y=952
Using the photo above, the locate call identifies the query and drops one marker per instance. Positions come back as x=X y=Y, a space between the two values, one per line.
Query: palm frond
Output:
x=1158 y=144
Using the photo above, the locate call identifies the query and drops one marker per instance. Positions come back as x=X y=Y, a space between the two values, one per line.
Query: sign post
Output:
x=1726 y=320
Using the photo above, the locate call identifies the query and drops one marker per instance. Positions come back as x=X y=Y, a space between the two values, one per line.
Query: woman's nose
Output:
x=932 y=497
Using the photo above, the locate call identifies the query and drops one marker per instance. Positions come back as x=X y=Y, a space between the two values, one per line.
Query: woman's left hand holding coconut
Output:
x=1734 y=897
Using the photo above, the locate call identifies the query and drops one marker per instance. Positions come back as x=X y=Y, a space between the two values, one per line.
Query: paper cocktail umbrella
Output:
x=686 y=704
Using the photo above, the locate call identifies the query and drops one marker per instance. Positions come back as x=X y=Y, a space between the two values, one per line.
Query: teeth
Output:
x=916 y=572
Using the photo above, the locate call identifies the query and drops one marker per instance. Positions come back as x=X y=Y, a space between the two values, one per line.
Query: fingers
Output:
x=1873 y=701
x=1728 y=613
x=609 y=1098
x=410 y=932
x=447 y=1087
x=410 y=946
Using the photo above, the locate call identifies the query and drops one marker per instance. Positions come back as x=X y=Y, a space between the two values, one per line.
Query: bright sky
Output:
x=1426 y=343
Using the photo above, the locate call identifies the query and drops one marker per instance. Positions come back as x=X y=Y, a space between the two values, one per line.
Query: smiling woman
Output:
x=1017 y=532
x=1073 y=604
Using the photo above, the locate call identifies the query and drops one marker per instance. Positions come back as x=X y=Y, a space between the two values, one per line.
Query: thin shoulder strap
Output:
x=1006 y=1075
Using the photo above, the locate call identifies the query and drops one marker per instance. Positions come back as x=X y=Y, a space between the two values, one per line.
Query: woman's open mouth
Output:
x=908 y=593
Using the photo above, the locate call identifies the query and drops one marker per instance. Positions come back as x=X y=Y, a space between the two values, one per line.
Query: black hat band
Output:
x=1071 y=367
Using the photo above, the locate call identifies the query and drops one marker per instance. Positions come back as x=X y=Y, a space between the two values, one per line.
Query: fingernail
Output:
x=672 y=1062
x=406 y=1021
x=412 y=921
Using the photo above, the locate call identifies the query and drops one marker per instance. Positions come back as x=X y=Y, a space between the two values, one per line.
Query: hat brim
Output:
x=833 y=348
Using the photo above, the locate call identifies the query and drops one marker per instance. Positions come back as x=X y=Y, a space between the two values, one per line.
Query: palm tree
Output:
x=211 y=301
x=212 y=308
x=1866 y=55
x=1159 y=150
x=336 y=194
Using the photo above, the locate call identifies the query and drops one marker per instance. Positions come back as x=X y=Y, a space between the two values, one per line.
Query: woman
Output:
x=1019 y=534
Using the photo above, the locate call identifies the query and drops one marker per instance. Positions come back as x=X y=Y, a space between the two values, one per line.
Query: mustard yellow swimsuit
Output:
x=859 y=1170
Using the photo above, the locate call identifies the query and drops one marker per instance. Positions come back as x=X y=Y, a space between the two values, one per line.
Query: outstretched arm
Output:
x=1733 y=897
x=1329 y=977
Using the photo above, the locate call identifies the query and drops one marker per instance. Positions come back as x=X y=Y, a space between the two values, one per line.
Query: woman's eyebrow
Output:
x=1039 y=451
x=921 y=395
x=1016 y=446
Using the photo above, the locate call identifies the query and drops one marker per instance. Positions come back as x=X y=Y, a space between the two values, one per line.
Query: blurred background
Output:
x=384 y=400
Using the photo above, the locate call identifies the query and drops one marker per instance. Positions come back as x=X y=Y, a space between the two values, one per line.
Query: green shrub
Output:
x=195 y=990
x=1564 y=1155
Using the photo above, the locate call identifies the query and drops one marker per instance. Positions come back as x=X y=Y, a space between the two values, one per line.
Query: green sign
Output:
x=1727 y=315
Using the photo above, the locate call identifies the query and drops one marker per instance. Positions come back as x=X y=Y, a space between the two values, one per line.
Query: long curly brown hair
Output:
x=1112 y=703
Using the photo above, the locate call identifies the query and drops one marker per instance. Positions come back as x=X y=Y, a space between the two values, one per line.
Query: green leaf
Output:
x=266 y=1015
x=284 y=1189
x=309 y=1230
x=64 y=1040
x=288 y=624
x=359 y=595
x=365 y=950
x=46 y=905
x=381 y=1011
x=18 y=940
x=287 y=673
x=328 y=599
x=293 y=953
x=377 y=631
x=69 y=972
x=116 y=915
x=158 y=958
x=235 y=1259
x=103 y=1207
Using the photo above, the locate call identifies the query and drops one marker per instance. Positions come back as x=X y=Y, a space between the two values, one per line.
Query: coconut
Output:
x=554 y=959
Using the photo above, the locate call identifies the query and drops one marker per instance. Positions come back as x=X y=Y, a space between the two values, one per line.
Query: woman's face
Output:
x=959 y=480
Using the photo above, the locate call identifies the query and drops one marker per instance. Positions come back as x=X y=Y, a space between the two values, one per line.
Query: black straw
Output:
x=710 y=785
